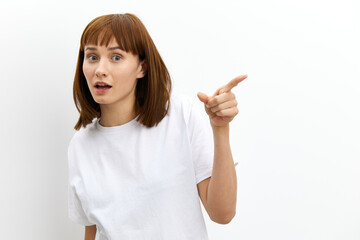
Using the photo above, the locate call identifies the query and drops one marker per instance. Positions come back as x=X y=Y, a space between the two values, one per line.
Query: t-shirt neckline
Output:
x=118 y=128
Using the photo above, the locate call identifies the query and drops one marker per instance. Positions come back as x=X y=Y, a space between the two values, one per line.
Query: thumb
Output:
x=203 y=97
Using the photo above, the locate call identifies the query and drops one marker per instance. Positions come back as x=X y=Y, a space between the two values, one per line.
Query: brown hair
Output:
x=152 y=91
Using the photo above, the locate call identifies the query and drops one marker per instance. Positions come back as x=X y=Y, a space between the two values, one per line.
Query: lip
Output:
x=102 y=90
x=100 y=82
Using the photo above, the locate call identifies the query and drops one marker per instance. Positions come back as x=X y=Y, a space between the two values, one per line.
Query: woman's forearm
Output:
x=222 y=188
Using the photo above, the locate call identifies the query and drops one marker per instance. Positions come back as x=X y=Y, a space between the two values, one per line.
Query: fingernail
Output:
x=207 y=105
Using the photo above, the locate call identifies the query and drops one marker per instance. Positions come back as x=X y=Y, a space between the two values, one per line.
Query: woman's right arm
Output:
x=90 y=232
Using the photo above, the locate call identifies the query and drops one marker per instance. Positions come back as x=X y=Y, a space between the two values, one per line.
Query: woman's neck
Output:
x=118 y=113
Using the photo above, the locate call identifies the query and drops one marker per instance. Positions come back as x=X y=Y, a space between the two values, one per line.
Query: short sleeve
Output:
x=201 y=141
x=75 y=210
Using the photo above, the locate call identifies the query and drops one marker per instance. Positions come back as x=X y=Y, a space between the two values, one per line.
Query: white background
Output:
x=296 y=137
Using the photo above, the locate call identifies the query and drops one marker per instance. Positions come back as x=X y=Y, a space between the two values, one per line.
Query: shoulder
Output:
x=183 y=104
x=82 y=135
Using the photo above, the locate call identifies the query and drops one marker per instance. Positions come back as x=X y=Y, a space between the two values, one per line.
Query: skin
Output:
x=121 y=70
x=90 y=232
x=218 y=193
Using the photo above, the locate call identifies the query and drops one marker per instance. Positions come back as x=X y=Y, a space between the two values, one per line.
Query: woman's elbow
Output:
x=224 y=220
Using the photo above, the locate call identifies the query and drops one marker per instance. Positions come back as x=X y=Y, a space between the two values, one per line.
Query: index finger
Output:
x=233 y=83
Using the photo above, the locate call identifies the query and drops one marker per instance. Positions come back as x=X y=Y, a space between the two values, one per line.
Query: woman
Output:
x=142 y=157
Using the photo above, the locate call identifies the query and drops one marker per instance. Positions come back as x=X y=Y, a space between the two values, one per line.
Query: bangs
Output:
x=101 y=37
x=102 y=31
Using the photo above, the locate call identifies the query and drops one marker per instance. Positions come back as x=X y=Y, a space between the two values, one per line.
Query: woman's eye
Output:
x=116 y=57
x=90 y=57
x=94 y=58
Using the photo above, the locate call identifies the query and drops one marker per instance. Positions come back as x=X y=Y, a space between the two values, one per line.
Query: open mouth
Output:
x=102 y=87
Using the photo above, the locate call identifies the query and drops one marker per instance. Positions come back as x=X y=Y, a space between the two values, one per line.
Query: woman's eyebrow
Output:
x=109 y=49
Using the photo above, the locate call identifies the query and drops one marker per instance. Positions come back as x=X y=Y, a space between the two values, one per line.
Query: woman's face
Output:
x=113 y=66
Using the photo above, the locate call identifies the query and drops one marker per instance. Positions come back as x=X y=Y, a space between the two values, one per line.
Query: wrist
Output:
x=221 y=129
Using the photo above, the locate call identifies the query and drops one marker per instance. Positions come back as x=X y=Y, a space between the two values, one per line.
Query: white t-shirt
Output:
x=138 y=183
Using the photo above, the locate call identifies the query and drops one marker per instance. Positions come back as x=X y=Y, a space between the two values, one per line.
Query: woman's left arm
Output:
x=222 y=187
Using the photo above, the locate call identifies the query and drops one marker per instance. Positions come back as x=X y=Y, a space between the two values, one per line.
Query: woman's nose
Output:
x=101 y=70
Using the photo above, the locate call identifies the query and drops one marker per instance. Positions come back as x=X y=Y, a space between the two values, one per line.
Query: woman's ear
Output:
x=143 y=70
